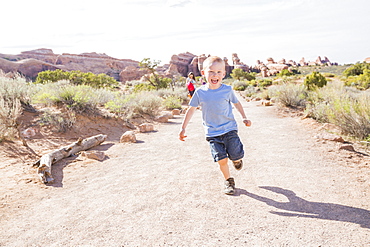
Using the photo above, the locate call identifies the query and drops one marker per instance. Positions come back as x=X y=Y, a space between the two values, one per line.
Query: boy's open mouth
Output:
x=214 y=81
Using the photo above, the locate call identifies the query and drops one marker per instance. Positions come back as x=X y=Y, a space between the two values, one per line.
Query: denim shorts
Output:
x=226 y=146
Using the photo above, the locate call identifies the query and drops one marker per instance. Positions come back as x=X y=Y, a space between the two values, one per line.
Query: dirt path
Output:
x=293 y=191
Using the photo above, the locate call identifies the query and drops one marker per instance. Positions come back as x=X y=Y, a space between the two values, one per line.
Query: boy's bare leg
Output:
x=224 y=167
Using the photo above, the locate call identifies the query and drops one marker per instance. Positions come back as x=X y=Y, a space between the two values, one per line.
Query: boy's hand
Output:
x=182 y=135
x=247 y=122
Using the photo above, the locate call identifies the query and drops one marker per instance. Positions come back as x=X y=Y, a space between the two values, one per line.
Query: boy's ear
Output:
x=202 y=72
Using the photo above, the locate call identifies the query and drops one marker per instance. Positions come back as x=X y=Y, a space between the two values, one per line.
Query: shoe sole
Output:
x=241 y=166
x=230 y=193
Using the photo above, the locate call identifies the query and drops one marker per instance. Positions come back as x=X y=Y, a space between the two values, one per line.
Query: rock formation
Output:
x=181 y=63
x=317 y=62
x=184 y=63
x=131 y=73
x=27 y=67
x=271 y=68
x=29 y=63
x=237 y=64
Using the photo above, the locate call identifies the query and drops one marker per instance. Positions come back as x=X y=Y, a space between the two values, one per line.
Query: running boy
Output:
x=219 y=123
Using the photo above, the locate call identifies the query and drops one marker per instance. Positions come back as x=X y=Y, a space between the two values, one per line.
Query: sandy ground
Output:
x=294 y=190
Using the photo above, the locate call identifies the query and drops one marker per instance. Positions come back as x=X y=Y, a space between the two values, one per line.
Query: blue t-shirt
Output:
x=217 y=114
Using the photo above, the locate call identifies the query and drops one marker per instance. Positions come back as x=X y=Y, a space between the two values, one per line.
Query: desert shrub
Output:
x=16 y=88
x=146 y=103
x=264 y=83
x=290 y=95
x=228 y=81
x=364 y=79
x=10 y=110
x=178 y=92
x=314 y=80
x=60 y=121
x=144 y=86
x=239 y=85
x=330 y=75
x=78 y=98
x=135 y=105
x=14 y=92
x=78 y=78
x=356 y=69
x=239 y=74
x=172 y=102
x=361 y=82
x=284 y=72
x=346 y=107
x=250 y=91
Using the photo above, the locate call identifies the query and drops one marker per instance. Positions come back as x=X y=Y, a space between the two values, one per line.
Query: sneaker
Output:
x=229 y=186
x=238 y=164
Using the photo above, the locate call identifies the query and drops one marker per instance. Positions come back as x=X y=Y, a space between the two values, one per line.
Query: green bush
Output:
x=356 y=69
x=284 y=72
x=314 y=81
x=264 y=83
x=78 y=78
x=361 y=81
x=144 y=86
x=330 y=75
x=239 y=74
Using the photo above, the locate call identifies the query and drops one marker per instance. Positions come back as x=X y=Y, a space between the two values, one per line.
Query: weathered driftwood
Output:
x=45 y=162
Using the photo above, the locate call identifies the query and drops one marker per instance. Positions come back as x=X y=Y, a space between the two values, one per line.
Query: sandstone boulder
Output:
x=146 y=127
x=128 y=136
x=164 y=117
x=93 y=154
x=176 y=112
x=330 y=137
x=347 y=147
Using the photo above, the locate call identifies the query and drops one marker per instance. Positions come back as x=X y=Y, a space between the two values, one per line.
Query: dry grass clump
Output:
x=14 y=92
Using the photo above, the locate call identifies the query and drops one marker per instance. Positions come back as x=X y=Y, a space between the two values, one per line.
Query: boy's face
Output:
x=214 y=74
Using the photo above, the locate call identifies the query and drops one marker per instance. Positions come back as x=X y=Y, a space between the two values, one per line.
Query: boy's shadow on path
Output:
x=307 y=209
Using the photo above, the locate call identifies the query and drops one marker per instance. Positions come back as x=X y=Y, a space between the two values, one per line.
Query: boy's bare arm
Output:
x=188 y=116
x=240 y=109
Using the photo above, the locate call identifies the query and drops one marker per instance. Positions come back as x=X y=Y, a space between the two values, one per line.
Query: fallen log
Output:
x=45 y=162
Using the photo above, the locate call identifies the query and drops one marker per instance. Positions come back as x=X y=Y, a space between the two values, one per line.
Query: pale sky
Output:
x=157 y=29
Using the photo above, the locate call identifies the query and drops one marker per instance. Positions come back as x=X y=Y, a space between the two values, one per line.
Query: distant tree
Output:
x=153 y=78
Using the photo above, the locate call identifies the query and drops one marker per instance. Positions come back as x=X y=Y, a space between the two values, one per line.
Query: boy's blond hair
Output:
x=212 y=59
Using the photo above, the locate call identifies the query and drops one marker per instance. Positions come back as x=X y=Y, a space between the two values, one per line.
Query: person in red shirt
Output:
x=190 y=83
